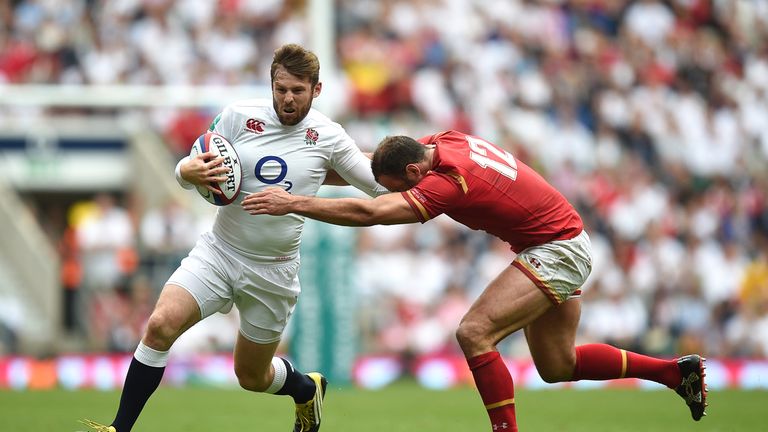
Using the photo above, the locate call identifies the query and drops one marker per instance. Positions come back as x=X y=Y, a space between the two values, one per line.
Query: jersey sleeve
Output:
x=354 y=167
x=434 y=195
x=224 y=124
x=227 y=123
x=426 y=139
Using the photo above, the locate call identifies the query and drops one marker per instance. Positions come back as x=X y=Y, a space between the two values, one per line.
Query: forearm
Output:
x=338 y=211
x=385 y=209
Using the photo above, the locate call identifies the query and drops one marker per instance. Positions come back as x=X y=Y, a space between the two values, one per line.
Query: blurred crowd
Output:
x=650 y=116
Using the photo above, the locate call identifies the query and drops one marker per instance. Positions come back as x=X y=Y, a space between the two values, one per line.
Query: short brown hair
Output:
x=394 y=153
x=298 y=61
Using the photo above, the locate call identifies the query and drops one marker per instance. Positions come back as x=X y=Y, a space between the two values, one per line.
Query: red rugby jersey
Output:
x=483 y=187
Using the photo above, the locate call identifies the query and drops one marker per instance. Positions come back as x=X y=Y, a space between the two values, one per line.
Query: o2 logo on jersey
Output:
x=272 y=170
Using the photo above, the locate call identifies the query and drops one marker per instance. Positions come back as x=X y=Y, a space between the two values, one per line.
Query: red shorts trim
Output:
x=536 y=281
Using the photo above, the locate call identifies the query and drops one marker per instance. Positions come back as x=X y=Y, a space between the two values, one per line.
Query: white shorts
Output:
x=265 y=293
x=559 y=268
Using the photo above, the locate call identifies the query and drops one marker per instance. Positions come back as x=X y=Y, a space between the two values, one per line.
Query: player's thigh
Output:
x=263 y=317
x=200 y=287
x=509 y=303
x=552 y=339
x=177 y=306
x=252 y=363
x=175 y=311
x=208 y=274
x=266 y=296
x=559 y=269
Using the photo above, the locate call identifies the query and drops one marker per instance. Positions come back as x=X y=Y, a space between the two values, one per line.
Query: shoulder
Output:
x=327 y=130
x=252 y=114
x=317 y=119
x=451 y=136
x=444 y=136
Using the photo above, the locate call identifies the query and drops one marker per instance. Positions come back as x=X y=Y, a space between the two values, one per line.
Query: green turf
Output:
x=401 y=407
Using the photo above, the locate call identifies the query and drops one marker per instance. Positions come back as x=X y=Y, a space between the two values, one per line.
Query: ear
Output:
x=317 y=90
x=412 y=170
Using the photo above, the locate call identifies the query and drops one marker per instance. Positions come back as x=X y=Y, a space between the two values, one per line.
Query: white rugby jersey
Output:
x=295 y=158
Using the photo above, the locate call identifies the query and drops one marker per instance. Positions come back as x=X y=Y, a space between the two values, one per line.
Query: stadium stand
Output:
x=650 y=116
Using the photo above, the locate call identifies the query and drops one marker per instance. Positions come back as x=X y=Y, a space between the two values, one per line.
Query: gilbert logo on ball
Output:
x=230 y=188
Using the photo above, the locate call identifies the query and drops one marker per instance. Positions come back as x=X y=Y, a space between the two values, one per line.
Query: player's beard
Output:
x=293 y=118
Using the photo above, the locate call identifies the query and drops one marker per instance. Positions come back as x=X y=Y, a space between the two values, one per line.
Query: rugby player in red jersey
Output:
x=483 y=187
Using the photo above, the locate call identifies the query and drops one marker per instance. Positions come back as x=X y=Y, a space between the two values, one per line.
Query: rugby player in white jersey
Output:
x=252 y=261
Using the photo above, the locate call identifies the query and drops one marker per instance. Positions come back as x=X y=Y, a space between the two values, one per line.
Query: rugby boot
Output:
x=308 y=414
x=692 y=389
x=98 y=427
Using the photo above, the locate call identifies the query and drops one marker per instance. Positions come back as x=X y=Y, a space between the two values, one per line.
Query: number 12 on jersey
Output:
x=478 y=152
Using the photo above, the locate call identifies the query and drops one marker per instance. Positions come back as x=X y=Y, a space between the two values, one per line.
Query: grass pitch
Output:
x=400 y=407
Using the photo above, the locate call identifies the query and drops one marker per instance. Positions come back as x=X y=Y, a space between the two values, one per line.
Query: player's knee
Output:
x=552 y=376
x=556 y=371
x=471 y=337
x=251 y=382
x=161 y=331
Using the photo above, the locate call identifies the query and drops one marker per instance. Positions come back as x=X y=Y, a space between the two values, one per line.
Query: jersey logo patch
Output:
x=254 y=125
x=311 y=137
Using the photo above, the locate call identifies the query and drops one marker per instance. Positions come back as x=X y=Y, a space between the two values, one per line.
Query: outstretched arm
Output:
x=388 y=209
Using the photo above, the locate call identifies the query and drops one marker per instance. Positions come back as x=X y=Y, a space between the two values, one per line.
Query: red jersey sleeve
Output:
x=435 y=193
x=427 y=139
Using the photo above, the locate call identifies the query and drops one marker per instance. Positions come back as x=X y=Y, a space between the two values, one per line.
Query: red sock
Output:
x=496 y=389
x=604 y=362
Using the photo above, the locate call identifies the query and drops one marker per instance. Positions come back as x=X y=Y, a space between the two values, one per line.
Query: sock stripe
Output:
x=281 y=373
x=623 y=364
x=500 y=404
x=150 y=357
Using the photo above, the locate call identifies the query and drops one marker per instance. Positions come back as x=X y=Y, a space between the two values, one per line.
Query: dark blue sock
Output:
x=140 y=382
x=297 y=385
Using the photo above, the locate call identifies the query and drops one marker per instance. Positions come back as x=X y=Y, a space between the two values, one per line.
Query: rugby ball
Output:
x=230 y=188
